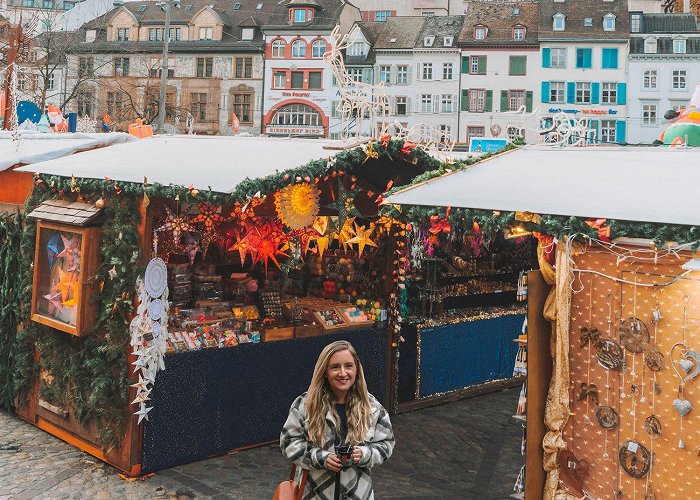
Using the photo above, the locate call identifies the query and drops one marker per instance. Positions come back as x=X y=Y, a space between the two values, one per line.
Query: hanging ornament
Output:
x=208 y=215
x=610 y=355
x=242 y=244
x=634 y=335
x=112 y=272
x=635 y=459
x=207 y=238
x=192 y=246
x=269 y=242
x=175 y=223
x=362 y=238
x=652 y=426
x=54 y=302
x=440 y=224
x=297 y=205
x=345 y=233
x=607 y=417
x=54 y=247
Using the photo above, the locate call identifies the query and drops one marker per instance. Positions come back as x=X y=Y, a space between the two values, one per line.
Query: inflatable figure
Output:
x=685 y=126
x=56 y=118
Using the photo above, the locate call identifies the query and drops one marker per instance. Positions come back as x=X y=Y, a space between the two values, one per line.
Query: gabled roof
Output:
x=440 y=27
x=668 y=23
x=395 y=33
x=576 y=11
x=500 y=18
x=327 y=15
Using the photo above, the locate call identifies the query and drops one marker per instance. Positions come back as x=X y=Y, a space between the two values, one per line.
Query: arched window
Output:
x=318 y=48
x=650 y=46
x=559 y=22
x=609 y=22
x=278 y=47
x=299 y=49
x=297 y=114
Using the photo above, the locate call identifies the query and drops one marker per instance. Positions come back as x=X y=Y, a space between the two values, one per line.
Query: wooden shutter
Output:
x=465 y=64
x=622 y=93
x=504 y=100
x=620 y=131
x=545 y=92
x=528 y=101
x=488 y=102
x=481 y=67
x=464 y=105
x=546 y=57
x=595 y=93
x=571 y=92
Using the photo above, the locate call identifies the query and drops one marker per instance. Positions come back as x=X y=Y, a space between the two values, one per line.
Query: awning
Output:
x=27 y=148
x=641 y=184
x=217 y=162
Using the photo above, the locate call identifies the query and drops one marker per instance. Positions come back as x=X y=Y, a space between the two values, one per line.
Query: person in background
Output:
x=337 y=429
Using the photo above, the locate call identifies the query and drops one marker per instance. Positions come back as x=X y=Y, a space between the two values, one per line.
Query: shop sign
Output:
x=295 y=129
x=296 y=94
x=480 y=145
x=584 y=111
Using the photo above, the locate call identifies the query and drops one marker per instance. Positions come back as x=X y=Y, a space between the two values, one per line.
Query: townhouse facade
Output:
x=380 y=10
x=416 y=59
x=299 y=88
x=215 y=67
x=664 y=68
x=583 y=48
x=499 y=71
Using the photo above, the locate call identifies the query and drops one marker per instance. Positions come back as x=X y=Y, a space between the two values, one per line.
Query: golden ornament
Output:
x=297 y=205
x=100 y=203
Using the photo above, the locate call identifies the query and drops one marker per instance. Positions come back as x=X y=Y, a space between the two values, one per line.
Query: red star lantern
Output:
x=208 y=215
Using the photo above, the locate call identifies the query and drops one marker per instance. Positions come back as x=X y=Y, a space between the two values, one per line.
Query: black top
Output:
x=343 y=431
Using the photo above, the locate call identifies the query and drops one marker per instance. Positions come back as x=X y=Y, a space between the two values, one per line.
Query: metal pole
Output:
x=164 y=68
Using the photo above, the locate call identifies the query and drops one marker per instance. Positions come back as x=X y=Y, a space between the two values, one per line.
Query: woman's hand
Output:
x=356 y=454
x=333 y=463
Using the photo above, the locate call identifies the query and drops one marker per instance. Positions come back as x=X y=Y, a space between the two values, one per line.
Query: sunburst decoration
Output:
x=175 y=223
x=297 y=205
x=208 y=215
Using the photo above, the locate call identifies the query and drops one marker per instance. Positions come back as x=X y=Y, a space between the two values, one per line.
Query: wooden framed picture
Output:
x=65 y=257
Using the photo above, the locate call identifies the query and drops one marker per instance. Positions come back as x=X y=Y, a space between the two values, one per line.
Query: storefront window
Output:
x=297 y=114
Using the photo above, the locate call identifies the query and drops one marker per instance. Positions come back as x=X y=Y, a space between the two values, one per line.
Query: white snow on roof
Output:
x=627 y=183
x=34 y=147
x=219 y=162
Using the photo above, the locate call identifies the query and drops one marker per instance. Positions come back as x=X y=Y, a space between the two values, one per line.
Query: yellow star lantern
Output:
x=321 y=225
x=65 y=284
x=362 y=238
x=297 y=205
x=346 y=233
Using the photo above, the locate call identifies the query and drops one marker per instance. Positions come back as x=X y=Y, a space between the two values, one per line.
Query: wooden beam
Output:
x=539 y=374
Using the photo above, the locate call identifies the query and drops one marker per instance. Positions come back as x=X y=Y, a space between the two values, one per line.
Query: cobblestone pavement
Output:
x=468 y=449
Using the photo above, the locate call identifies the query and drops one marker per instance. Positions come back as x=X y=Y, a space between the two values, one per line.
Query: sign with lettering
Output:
x=481 y=145
x=585 y=111
x=294 y=130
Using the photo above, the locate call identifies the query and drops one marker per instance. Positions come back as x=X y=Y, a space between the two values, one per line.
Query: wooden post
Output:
x=13 y=51
x=539 y=374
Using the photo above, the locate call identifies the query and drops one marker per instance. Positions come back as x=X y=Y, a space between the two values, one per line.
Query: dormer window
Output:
x=428 y=41
x=635 y=22
x=247 y=33
x=90 y=35
x=650 y=46
x=559 y=22
x=588 y=22
x=480 y=32
x=356 y=49
x=679 y=46
x=142 y=8
x=516 y=11
x=301 y=16
x=206 y=33
x=519 y=33
x=447 y=41
x=609 y=22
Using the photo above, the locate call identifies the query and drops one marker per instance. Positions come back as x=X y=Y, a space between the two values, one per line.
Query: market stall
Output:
x=611 y=380
x=178 y=305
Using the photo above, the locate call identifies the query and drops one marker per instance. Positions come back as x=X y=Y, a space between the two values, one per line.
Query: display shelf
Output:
x=480 y=299
x=450 y=279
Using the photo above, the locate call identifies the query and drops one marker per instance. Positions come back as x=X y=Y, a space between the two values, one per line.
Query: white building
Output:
x=299 y=89
x=380 y=10
x=664 y=68
x=583 y=48
x=417 y=58
x=500 y=70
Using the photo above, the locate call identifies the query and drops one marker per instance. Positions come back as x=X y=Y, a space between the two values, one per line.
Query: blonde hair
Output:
x=320 y=399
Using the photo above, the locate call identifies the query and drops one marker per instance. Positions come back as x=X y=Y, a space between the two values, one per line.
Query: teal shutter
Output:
x=546 y=57
x=465 y=64
x=481 y=66
x=610 y=58
x=488 y=104
x=613 y=57
x=571 y=92
x=528 y=101
x=595 y=93
x=620 y=131
x=587 y=58
x=504 y=100
x=465 y=100
x=595 y=125
x=545 y=91
x=622 y=93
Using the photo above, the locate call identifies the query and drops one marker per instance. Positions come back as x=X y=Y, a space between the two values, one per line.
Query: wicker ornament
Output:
x=634 y=459
x=652 y=426
x=634 y=335
x=610 y=355
x=297 y=205
x=607 y=417
x=654 y=359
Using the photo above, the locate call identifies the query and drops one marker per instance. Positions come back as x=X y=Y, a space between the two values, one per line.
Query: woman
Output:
x=337 y=410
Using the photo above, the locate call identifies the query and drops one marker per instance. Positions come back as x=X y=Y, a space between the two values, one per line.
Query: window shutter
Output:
x=465 y=64
x=367 y=75
x=613 y=56
x=622 y=93
x=408 y=105
x=464 y=105
x=595 y=93
x=392 y=105
x=594 y=138
x=587 y=58
x=436 y=103
x=481 y=69
x=528 y=101
x=419 y=73
x=504 y=100
x=455 y=98
x=545 y=92
x=409 y=75
x=546 y=57
x=571 y=92
x=620 y=131
x=488 y=102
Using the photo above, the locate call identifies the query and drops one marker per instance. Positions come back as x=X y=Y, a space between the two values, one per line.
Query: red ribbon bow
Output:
x=385 y=140
x=440 y=225
x=407 y=147
x=603 y=231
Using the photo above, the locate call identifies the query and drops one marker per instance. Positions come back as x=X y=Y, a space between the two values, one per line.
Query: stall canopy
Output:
x=625 y=183
x=219 y=163
x=33 y=147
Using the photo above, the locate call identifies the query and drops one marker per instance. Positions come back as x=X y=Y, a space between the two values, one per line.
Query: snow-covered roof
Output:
x=27 y=148
x=219 y=162
x=627 y=183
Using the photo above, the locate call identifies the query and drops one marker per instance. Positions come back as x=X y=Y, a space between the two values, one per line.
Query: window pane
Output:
x=315 y=80
x=297 y=80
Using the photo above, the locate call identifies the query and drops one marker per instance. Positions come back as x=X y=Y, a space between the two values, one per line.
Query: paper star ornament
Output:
x=143 y=412
x=54 y=302
x=65 y=284
x=175 y=223
x=141 y=384
x=362 y=238
x=208 y=215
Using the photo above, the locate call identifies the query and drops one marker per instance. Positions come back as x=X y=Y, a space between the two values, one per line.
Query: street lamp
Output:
x=166 y=5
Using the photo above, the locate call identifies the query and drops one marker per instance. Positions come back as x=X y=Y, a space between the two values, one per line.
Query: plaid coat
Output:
x=356 y=482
